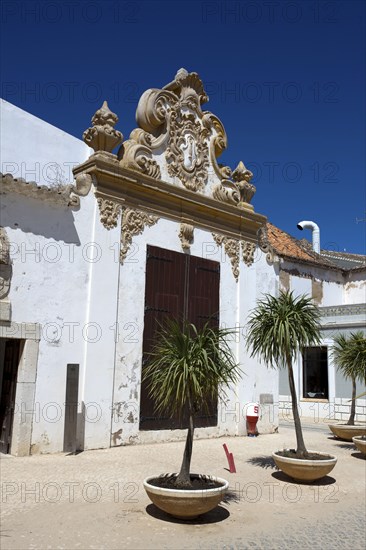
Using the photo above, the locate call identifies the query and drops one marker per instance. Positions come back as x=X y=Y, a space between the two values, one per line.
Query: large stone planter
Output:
x=305 y=470
x=347 y=432
x=360 y=443
x=186 y=504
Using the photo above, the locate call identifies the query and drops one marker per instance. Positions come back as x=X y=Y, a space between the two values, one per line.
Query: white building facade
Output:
x=337 y=284
x=91 y=263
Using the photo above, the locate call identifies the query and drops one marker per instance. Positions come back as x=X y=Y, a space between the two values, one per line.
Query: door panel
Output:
x=165 y=276
x=178 y=286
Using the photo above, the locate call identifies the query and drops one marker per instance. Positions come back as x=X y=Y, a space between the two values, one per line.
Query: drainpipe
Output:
x=315 y=233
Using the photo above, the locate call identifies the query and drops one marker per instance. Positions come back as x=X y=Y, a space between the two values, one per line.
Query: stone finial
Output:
x=102 y=136
x=242 y=177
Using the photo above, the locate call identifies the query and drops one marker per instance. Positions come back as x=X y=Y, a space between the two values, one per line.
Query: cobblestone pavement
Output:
x=95 y=500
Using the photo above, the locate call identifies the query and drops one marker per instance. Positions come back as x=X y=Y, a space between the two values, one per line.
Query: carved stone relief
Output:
x=135 y=154
x=109 y=212
x=5 y=275
x=265 y=245
x=173 y=126
x=186 y=235
x=102 y=136
x=187 y=151
x=248 y=250
x=232 y=249
x=133 y=223
x=242 y=177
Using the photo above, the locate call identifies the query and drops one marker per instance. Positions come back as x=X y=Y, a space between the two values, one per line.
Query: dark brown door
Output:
x=203 y=293
x=181 y=287
x=8 y=389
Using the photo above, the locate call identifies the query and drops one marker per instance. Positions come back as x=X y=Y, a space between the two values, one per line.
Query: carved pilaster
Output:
x=133 y=223
x=102 y=136
x=186 y=235
x=232 y=250
x=109 y=212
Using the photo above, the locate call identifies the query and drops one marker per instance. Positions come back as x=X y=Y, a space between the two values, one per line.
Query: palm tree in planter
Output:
x=349 y=353
x=188 y=367
x=278 y=329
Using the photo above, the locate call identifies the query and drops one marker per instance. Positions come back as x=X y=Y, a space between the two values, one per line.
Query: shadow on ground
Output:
x=215 y=516
x=326 y=480
x=359 y=455
x=347 y=446
x=265 y=462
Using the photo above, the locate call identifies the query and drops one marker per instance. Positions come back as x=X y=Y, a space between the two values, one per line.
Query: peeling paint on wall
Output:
x=284 y=280
x=317 y=291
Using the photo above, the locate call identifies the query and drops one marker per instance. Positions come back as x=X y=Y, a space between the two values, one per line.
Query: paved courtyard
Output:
x=95 y=499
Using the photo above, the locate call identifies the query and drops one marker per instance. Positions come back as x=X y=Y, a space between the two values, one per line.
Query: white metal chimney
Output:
x=315 y=233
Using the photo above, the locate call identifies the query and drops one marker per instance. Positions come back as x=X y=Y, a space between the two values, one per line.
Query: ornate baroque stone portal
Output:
x=169 y=163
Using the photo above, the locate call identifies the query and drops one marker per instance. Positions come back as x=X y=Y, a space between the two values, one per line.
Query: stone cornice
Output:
x=140 y=191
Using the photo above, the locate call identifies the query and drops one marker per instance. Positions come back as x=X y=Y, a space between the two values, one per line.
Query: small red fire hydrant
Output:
x=252 y=415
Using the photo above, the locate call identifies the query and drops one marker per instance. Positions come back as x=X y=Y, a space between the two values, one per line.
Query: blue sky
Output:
x=287 y=79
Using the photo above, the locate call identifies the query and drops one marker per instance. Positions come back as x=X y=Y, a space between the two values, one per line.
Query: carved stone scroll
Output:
x=186 y=235
x=109 y=212
x=232 y=250
x=173 y=127
x=133 y=223
x=264 y=244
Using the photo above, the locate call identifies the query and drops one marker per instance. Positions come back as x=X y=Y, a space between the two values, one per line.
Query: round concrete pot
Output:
x=186 y=504
x=347 y=432
x=360 y=443
x=305 y=470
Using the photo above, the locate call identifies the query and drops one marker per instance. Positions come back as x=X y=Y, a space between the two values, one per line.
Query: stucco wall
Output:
x=35 y=150
x=52 y=255
x=330 y=289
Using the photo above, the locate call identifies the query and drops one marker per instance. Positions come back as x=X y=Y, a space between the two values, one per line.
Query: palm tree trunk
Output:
x=301 y=449
x=183 y=479
x=351 y=420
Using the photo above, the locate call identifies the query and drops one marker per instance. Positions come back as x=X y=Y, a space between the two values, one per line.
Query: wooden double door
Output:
x=178 y=286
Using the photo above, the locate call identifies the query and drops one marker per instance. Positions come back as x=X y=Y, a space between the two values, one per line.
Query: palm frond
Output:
x=349 y=354
x=281 y=326
x=187 y=366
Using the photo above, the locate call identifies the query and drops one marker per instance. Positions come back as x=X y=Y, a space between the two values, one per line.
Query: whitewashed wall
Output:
x=236 y=299
x=52 y=255
x=67 y=277
x=336 y=290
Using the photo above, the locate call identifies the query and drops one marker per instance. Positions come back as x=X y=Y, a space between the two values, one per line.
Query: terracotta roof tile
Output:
x=286 y=246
